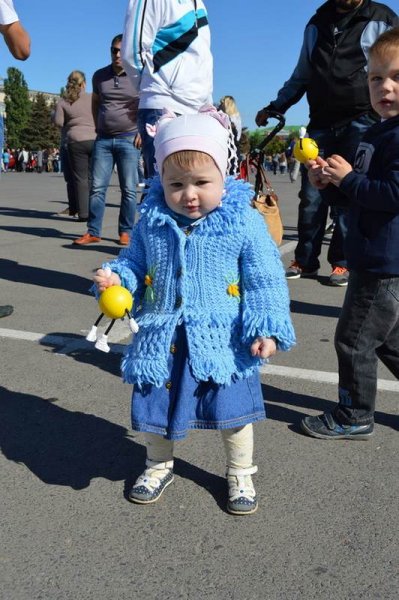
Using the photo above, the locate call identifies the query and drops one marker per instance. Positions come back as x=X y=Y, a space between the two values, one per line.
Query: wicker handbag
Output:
x=265 y=199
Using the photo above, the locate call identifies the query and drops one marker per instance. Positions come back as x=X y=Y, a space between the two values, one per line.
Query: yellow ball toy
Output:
x=115 y=301
x=306 y=149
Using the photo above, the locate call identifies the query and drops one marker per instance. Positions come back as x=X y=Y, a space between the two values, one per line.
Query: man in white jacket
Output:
x=18 y=42
x=166 y=52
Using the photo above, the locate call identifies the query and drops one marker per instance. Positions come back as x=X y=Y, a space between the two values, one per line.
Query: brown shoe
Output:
x=124 y=239
x=87 y=238
x=65 y=213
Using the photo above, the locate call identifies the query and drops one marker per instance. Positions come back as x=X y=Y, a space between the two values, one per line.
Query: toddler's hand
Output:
x=263 y=347
x=105 y=278
x=316 y=173
x=337 y=168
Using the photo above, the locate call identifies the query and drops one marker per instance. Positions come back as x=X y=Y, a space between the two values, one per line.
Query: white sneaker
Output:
x=242 y=496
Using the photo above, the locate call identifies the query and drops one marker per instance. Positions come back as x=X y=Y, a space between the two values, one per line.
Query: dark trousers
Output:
x=368 y=329
x=150 y=116
x=312 y=219
x=313 y=206
x=80 y=161
x=68 y=177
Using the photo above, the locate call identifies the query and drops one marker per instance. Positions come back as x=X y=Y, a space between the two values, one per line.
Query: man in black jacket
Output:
x=331 y=70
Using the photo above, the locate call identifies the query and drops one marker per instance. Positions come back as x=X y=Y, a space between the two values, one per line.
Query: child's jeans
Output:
x=238 y=443
x=368 y=329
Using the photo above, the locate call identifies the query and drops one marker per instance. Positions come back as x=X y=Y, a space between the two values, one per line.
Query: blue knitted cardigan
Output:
x=225 y=282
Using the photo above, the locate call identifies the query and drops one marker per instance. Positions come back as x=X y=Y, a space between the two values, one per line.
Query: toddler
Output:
x=368 y=327
x=211 y=302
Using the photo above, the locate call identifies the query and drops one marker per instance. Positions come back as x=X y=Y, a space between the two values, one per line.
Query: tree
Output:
x=275 y=145
x=17 y=105
x=39 y=132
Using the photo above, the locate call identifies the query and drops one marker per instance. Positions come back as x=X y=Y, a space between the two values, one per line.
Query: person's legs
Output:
x=68 y=177
x=312 y=218
x=239 y=445
x=339 y=216
x=127 y=157
x=388 y=353
x=102 y=165
x=80 y=155
x=158 y=473
x=150 y=116
x=367 y=328
x=359 y=331
x=159 y=449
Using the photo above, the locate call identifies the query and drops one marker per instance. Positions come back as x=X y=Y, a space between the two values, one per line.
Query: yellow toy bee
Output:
x=115 y=302
x=306 y=149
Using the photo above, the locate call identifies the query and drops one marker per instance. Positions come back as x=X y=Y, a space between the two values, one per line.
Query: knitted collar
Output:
x=224 y=219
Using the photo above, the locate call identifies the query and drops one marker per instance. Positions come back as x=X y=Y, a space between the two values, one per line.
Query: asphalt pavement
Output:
x=327 y=524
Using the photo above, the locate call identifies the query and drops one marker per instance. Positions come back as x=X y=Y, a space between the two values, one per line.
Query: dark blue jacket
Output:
x=372 y=242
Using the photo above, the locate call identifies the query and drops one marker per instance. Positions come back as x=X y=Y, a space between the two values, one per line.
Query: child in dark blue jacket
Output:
x=368 y=327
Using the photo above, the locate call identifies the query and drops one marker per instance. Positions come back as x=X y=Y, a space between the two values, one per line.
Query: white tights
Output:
x=238 y=444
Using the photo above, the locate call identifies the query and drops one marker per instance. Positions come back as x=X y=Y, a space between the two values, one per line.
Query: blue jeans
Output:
x=368 y=329
x=106 y=153
x=314 y=204
x=150 y=116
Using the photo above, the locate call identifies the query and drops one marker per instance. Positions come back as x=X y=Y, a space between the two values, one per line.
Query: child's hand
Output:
x=336 y=169
x=105 y=278
x=263 y=347
x=316 y=174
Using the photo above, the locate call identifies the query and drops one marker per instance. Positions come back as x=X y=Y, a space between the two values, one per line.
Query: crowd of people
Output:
x=31 y=161
x=210 y=290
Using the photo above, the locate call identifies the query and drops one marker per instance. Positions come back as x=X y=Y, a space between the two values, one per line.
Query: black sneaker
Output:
x=295 y=271
x=339 y=277
x=6 y=310
x=325 y=427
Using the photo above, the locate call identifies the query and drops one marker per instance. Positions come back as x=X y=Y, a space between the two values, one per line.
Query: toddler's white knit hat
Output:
x=206 y=131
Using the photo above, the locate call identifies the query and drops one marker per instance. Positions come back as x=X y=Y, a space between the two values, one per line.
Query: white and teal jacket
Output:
x=166 y=52
x=224 y=282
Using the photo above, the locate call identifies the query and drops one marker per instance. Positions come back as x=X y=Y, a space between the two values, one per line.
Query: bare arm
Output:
x=17 y=40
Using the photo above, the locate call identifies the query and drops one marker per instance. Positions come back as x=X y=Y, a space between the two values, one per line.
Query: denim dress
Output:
x=183 y=403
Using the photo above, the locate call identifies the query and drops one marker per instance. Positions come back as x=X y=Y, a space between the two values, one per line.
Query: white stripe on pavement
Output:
x=68 y=344
x=320 y=376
